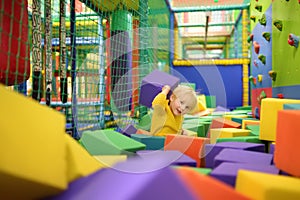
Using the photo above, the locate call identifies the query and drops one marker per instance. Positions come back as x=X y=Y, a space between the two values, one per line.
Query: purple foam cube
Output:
x=124 y=182
x=175 y=157
x=242 y=156
x=211 y=150
x=272 y=148
x=152 y=85
x=129 y=130
x=227 y=172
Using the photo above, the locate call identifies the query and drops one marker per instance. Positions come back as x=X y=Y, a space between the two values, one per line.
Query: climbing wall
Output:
x=286 y=57
x=261 y=53
x=274 y=53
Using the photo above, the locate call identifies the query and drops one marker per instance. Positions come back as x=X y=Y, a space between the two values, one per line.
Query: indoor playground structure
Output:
x=77 y=80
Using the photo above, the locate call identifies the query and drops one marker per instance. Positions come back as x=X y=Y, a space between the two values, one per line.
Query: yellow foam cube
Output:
x=110 y=160
x=201 y=102
x=230 y=116
x=263 y=186
x=216 y=133
x=249 y=122
x=32 y=150
x=268 y=116
x=80 y=163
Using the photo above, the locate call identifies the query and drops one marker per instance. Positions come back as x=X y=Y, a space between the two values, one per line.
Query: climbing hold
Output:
x=252 y=80
x=280 y=96
x=259 y=78
x=255 y=63
x=273 y=75
x=278 y=24
x=256 y=47
x=261 y=96
x=262 y=58
x=263 y=20
x=258 y=7
x=253 y=18
x=293 y=40
x=250 y=38
x=267 y=36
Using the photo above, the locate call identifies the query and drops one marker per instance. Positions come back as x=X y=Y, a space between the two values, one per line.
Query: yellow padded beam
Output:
x=32 y=150
x=268 y=116
x=263 y=186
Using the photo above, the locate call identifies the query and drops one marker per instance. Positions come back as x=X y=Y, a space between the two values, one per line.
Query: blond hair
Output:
x=186 y=94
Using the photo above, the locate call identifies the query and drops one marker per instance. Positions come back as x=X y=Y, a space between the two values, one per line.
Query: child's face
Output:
x=178 y=106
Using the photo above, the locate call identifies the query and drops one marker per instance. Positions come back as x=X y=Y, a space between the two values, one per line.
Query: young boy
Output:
x=167 y=114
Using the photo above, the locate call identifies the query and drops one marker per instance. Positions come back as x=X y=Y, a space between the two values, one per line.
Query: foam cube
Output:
x=33 y=148
x=251 y=139
x=175 y=157
x=210 y=101
x=220 y=122
x=258 y=185
x=129 y=130
x=109 y=142
x=151 y=142
x=291 y=106
x=233 y=117
x=211 y=150
x=199 y=129
x=247 y=122
x=207 y=187
x=190 y=146
x=205 y=171
x=241 y=156
x=227 y=133
x=286 y=156
x=227 y=172
x=152 y=85
x=80 y=163
x=110 y=160
x=268 y=116
x=124 y=182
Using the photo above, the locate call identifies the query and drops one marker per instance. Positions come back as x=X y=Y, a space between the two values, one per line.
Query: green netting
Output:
x=87 y=58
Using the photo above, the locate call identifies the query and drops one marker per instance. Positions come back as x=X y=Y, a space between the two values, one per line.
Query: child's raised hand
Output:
x=166 y=89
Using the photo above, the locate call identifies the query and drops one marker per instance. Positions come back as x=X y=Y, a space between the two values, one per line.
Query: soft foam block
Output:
x=207 y=187
x=211 y=150
x=152 y=85
x=198 y=128
x=32 y=150
x=191 y=146
x=268 y=116
x=129 y=130
x=151 y=142
x=178 y=157
x=227 y=133
x=80 y=163
x=258 y=185
x=134 y=179
x=286 y=156
x=220 y=122
x=109 y=142
x=291 y=106
x=227 y=172
x=242 y=156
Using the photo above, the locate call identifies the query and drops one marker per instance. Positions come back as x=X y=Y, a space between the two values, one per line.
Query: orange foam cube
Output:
x=190 y=146
x=286 y=156
x=207 y=187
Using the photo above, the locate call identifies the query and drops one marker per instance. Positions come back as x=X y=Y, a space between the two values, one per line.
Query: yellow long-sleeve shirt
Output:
x=163 y=120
